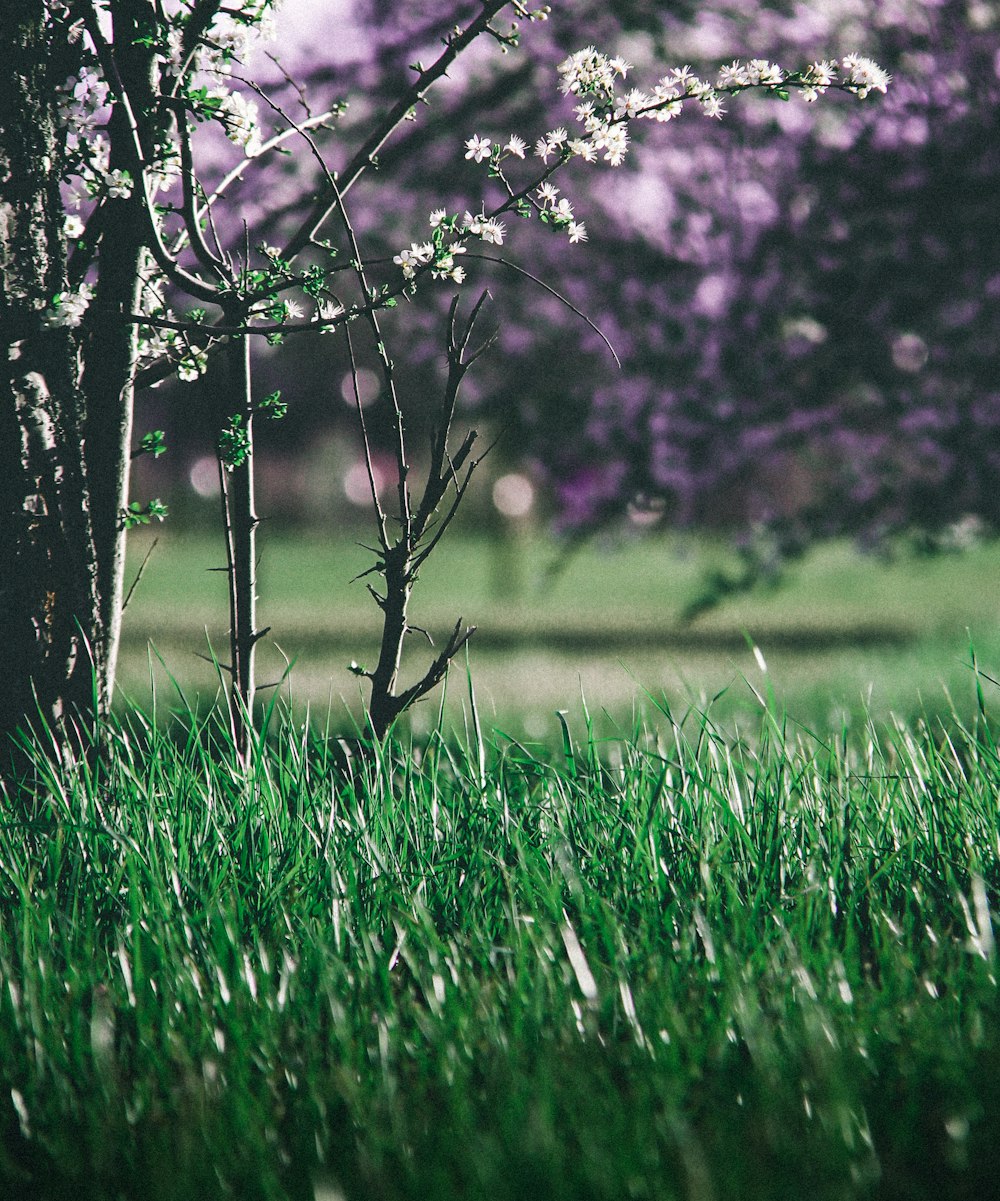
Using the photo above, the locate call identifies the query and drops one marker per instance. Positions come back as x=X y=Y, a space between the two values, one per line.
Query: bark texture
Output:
x=49 y=603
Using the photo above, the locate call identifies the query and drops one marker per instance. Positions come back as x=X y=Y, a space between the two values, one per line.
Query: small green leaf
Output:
x=153 y=444
x=234 y=443
x=137 y=514
x=273 y=407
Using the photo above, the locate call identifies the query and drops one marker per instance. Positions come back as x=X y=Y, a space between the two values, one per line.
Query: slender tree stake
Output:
x=240 y=521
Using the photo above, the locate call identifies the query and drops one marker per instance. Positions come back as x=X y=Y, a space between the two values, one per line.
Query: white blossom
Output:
x=632 y=104
x=733 y=76
x=477 y=148
x=327 y=309
x=711 y=105
x=582 y=149
x=515 y=146
x=192 y=365
x=417 y=255
x=444 y=265
x=437 y=216
x=493 y=231
x=613 y=140
x=760 y=71
x=175 y=47
x=577 y=231
x=588 y=71
x=118 y=184
x=823 y=73
x=864 y=75
x=551 y=143
x=543 y=149
x=68 y=308
x=239 y=117
x=163 y=174
x=669 y=108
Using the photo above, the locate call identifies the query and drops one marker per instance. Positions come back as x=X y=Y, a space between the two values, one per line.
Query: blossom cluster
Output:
x=84 y=97
x=864 y=75
x=604 y=114
x=490 y=229
x=229 y=40
x=437 y=255
x=482 y=149
x=88 y=153
x=238 y=117
x=67 y=308
x=588 y=72
x=84 y=101
x=558 y=211
x=156 y=342
x=853 y=73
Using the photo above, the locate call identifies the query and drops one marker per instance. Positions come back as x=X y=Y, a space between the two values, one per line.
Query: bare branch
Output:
x=139 y=574
x=237 y=172
x=436 y=672
x=190 y=188
x=413 y=96
x=380 y=516
x=489 y=258
x=191 y=284
x=294 y=84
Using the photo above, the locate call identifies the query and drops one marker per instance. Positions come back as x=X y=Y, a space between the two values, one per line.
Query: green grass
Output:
x=844 y=637
x=675 y=963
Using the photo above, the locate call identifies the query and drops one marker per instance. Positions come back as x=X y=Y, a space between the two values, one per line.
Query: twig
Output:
x=139 y=574
x=164 y=260
x=189 y=190
x=241 y=167
x=413 y=96
x=489 y=258
x=366 y=442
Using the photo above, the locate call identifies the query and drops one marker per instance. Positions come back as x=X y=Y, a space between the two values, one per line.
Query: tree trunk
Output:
x=384 y=706
x=49 y=600
x=111 y=352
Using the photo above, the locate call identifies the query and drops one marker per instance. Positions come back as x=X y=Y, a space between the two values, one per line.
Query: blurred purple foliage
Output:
x=805 y=299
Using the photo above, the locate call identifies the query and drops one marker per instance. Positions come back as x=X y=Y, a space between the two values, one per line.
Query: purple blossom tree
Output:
x=803 y=303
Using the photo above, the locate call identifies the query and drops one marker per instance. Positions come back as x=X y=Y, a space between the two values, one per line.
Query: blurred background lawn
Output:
x=842 y=635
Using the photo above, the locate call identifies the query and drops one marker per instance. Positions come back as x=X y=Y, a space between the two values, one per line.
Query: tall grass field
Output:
x=679 y=960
